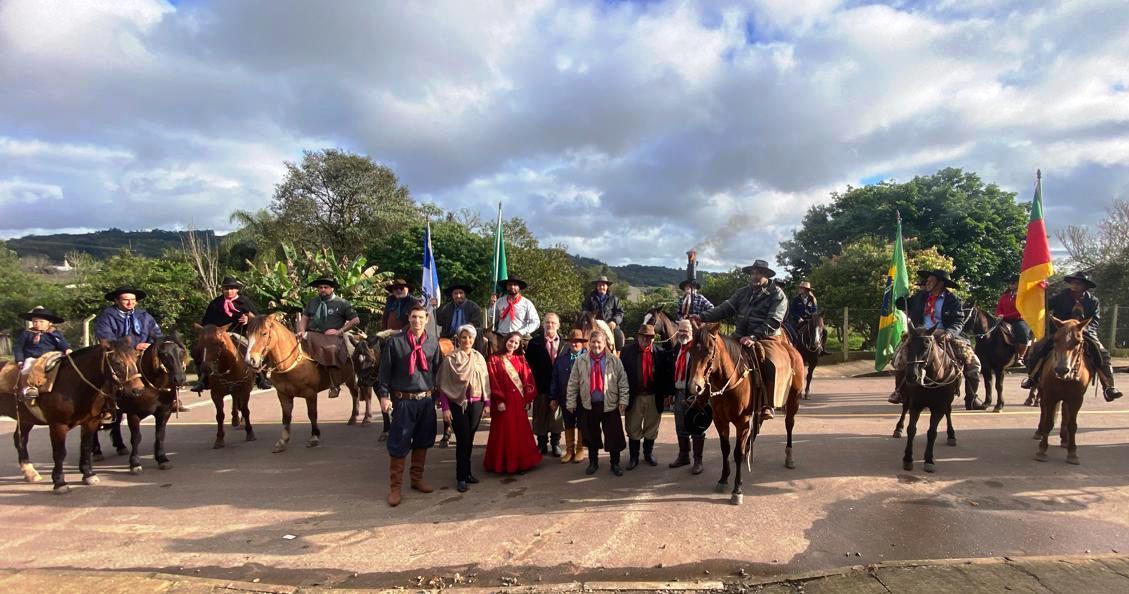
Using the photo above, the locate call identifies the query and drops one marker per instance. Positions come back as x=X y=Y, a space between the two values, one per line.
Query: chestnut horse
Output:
x=932 y=379
x=1064 y=379
x=738 y=386
x=293 y=373
x=587 y=321
x=87 y=380
x=228 y=374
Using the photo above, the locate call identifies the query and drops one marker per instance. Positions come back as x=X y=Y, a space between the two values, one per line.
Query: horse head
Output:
x=264 y=334
x=366 y=357
x=213 y=341
x=813 y=331
x=704 y=354
x=123 y=360
x=922 y=356
x=1069 y=347
x=172 y=358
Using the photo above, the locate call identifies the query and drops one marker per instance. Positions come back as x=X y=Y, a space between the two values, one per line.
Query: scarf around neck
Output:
x=596 y=373
x=510 y=311
x=463 y=374
x=417 y=353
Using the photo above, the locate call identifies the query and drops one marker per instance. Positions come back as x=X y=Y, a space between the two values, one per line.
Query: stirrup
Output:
x=1028 y=383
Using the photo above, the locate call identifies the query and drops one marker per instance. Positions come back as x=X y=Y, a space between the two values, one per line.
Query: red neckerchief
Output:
x=510 y=312
x=648 y=368
x=417 y=352
x=682 y=361
x=596 y=374
x=930 y=306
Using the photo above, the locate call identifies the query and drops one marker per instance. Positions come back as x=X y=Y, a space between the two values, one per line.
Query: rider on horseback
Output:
x=759 y=309
x=606 y=307
x=457 y=311
x=328 y=317
x=232 y=310
x=1075 y=303
x=124 y=319
x=800 y=311
x=35 y=341
x=1020 y=331
x=938 y=309
x=515 y=313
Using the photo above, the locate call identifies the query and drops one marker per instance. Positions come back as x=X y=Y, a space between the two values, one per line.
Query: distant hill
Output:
x=100 y=244
x=637 y=275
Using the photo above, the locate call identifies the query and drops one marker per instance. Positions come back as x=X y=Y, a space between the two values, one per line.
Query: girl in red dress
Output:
x=510 y=447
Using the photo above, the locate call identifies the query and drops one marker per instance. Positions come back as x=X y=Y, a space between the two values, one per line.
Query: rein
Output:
x=297 y=353
x=947 y=356
x=103 y=365
x=987 y=333
x=730 y=384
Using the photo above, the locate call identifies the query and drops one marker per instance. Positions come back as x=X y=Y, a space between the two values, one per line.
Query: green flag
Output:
x=892 y=324
x=501 y=271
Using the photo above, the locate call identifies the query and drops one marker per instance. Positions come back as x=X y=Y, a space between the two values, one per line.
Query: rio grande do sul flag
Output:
x=1031 y=296
x=892 y=324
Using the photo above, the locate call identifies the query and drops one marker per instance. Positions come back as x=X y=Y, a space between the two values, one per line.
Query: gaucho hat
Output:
x=229 y=282
x=576 y=335
x=603 y=279
x=697 y=420
x=760 y=265
x=466 y=288
x=1080 y=277
x=941 y=275
x=324 y=280
x=513 y=279
x=691 y=282
x=42 y=313
x=399 y=283
x=122 y=290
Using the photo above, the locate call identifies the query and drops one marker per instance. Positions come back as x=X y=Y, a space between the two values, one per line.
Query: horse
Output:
x=222 y=358
x=87 y=380
x=665 y=328
x=1064 y=381
x=162 y=371
x=587 y=321
x=293 y=373
x=995 y=351
x=809 y=342
x=746 y=388
x=932 y=381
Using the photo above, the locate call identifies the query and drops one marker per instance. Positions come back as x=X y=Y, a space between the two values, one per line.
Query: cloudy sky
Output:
x=630 y=131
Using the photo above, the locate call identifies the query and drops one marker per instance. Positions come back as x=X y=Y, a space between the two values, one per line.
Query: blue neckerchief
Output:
x=457 y=319
x=572 y=356
x=130 y=323
x=601 y=299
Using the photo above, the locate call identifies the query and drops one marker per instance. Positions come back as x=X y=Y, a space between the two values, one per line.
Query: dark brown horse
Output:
x=87 y=379
x=293 y=373
x=221 y=357
x=995 y=351
x=737 y=385
x=587 y=321
x=810 y=335
x=665 y=328
x=162 y=371
x=932 y=379
x=1064 y=378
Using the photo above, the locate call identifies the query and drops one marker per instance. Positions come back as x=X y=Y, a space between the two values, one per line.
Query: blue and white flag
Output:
x=430 y=283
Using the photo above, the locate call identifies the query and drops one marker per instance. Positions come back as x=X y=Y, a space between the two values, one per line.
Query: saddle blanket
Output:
x=330 y=351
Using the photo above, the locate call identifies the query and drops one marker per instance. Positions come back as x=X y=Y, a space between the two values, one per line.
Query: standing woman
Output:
x=598 y=390
x=464 y=392
x=510 y=447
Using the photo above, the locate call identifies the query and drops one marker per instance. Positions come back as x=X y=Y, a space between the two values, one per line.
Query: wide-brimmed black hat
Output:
x=698 y=420
x=513 y=279
x=466 y=288
x=113 y=295
x=324 y=280
x=760 y=265
x=603 y=279
x=691 y=282
x=42 y=313
x=229 y=282
x=1080 y=277
x=943 y=275
x=399 y=282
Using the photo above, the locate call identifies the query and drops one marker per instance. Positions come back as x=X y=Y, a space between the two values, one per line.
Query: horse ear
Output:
x=106 y=344
x=224 y=327
x=1055 y=322
x=197 y=326
x=1085 y=323
x=712 y=328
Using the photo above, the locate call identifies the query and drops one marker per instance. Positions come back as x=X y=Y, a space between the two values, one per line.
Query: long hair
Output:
x=502 y=345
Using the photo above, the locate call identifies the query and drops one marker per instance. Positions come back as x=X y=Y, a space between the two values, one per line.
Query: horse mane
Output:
x=732 y=345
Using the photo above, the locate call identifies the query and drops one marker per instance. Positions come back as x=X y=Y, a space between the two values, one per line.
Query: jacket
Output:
x=632 y=359
x=472 y=314
x=616 y=390
x=111 y=325
x=801 y=309
x=215 y=315
x=1062 y=305
x=759 y=311
x=25 y=346
x=558 y=387
x=610 y=311
x=537 y=354
x=952 y=318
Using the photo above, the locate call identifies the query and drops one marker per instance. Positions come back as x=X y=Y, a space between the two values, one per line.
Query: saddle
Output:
x=1007 y=333
x=44 y=371
x=776 y=366
x=327 y=350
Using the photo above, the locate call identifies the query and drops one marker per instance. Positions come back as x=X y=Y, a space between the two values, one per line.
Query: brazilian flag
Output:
x=892 y=324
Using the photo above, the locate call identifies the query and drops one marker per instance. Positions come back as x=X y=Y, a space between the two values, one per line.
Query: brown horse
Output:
x=665 y=328
x=1064 y=379
x=737 y=387
x=932 y=380
x=293 y=373
x=228 y=374
x=587 y=321
x=162 y=371
x=995 y=351
x=810 y=335
x=86 y=380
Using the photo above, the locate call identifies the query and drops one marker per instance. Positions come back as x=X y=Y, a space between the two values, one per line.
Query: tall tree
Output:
x=1104 y=251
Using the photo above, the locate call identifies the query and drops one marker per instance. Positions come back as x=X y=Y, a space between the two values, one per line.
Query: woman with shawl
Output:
x=464 y=393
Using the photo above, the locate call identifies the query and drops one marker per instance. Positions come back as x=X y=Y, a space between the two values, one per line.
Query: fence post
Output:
x=1113 y=329
x=846 y=335
x=86 y=330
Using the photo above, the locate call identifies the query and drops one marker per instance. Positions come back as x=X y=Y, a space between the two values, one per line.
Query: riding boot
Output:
x=593 y=461
x=616 y=468
x=543 y=444
x=570 y=445
x=683 y=458
x=1105 y=376
x=395 y=480
x=632 y=459
x=261 y=381
x=580 y=452
x=201 y=383
x=419 y=458
x=334 y=385
x=971 y=400
x=555 y=445
x=649 y=452
x=699 y=445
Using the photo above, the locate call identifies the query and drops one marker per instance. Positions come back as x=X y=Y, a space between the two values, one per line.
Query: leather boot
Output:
x=971 y=400
x=570 y=445
x=580 y=453
x=593 y=462
x=201 y=383
x=395 y=480
x=543 y=444
x=261 y=381
x=649 y=452
x=419 y=458
x=683 y=458
x=633 y=458
x=699 y=445
x=555 y=445
x=616 y=468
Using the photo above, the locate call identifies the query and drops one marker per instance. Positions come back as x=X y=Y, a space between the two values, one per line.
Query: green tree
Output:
x=460 y=253
x=1104 y=251
x=555 y=284
x=979 y=226
x=21 y=290
x=721 y=286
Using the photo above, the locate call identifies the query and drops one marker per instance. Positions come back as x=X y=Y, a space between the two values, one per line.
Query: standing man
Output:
x=322 y=325
x=686 y=429
x=644 y=410
x=408 y=364
x=457 y=311
x=1076 y=302
x=1020 y=331
x=692 y=302
x=542 y=355
x=759 y=310
x=398 y=304
x=515 y=313
x=232 y=310
x=124 y=319
x=606 y=307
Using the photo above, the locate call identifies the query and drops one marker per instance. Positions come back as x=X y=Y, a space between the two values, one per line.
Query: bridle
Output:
x=219 y=375
x=1074 y=358
x=738 y=375
x=927 y=355
x=297 y=353
x=117 y=379
x=991 y=327
x=161 y=367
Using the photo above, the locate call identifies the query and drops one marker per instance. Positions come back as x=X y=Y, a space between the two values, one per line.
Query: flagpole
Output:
x=494 y=277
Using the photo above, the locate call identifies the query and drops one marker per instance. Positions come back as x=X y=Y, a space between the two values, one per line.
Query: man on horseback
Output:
x=606 y=307
x=232 y=310
x=124 y=319
x=1076 y=302
x=759 y=309
x=35 y=341
x=398 y=304
x=1020 y=331
x=515 y=313
x=692 y=302
x=800 y=312
x=323 y=325
x=459 y=310
x=936 y=308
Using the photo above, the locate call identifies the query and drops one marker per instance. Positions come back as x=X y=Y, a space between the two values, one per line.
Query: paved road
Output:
x=227 y=513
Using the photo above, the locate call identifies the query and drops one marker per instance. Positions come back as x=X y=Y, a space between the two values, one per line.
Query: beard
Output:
x=681 y=339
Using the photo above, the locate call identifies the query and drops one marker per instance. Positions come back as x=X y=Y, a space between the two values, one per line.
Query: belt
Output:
x=411 y=395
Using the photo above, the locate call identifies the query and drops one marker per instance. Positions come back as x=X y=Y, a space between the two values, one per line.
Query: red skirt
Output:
x=511 y=447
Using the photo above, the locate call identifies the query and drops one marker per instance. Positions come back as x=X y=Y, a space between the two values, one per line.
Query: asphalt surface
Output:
x=317 y=517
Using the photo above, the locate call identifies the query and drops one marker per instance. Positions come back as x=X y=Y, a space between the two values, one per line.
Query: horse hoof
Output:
x=313 y=443
x=99 y=457
x=897 y=433
x=251 y=437
x=352 y=421
x=952 y=441
x=1073 y=460
x=367 y=421
x=1041 y=456
x=720 y=487
x=135 y=470
x=91 y=480
x=279 y=448
x=907 y=465
x=62 y=489
x=235 y=424
x=1037 y=435
x=929 y=467
x=383 y=437
x=737 y=499
x=998 y=408
x=789 y=462
x=33 y=477
x=164 y=465
x=122 y=451
x=218 y=445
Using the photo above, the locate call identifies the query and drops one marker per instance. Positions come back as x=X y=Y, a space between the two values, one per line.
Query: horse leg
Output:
x=312 y=412
x=287 y=403
x=742 y=435
x=790 y=409
x=366 y=395
x=935 y=417
x=356 y=407
x=116 y=434
x=19 y=438
x=999 y=390
x=952 y=435
x=1070 y=424
x=245 y=406
x=811 y=370
x=96 y=449
x=161 y=419
x=911 y=431
x=236 y=422
x=217 y=399
x=1046 y=423
x=1062 y=432
x=86 y=453
x=135 y=443
x=723 y=439
x=902 y=419
x=986 y=373
x=59 y=455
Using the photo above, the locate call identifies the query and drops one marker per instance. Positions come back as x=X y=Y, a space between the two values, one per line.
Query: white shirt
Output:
x=526 y=320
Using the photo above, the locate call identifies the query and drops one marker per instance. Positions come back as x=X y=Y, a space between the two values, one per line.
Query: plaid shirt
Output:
x=698 y=305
